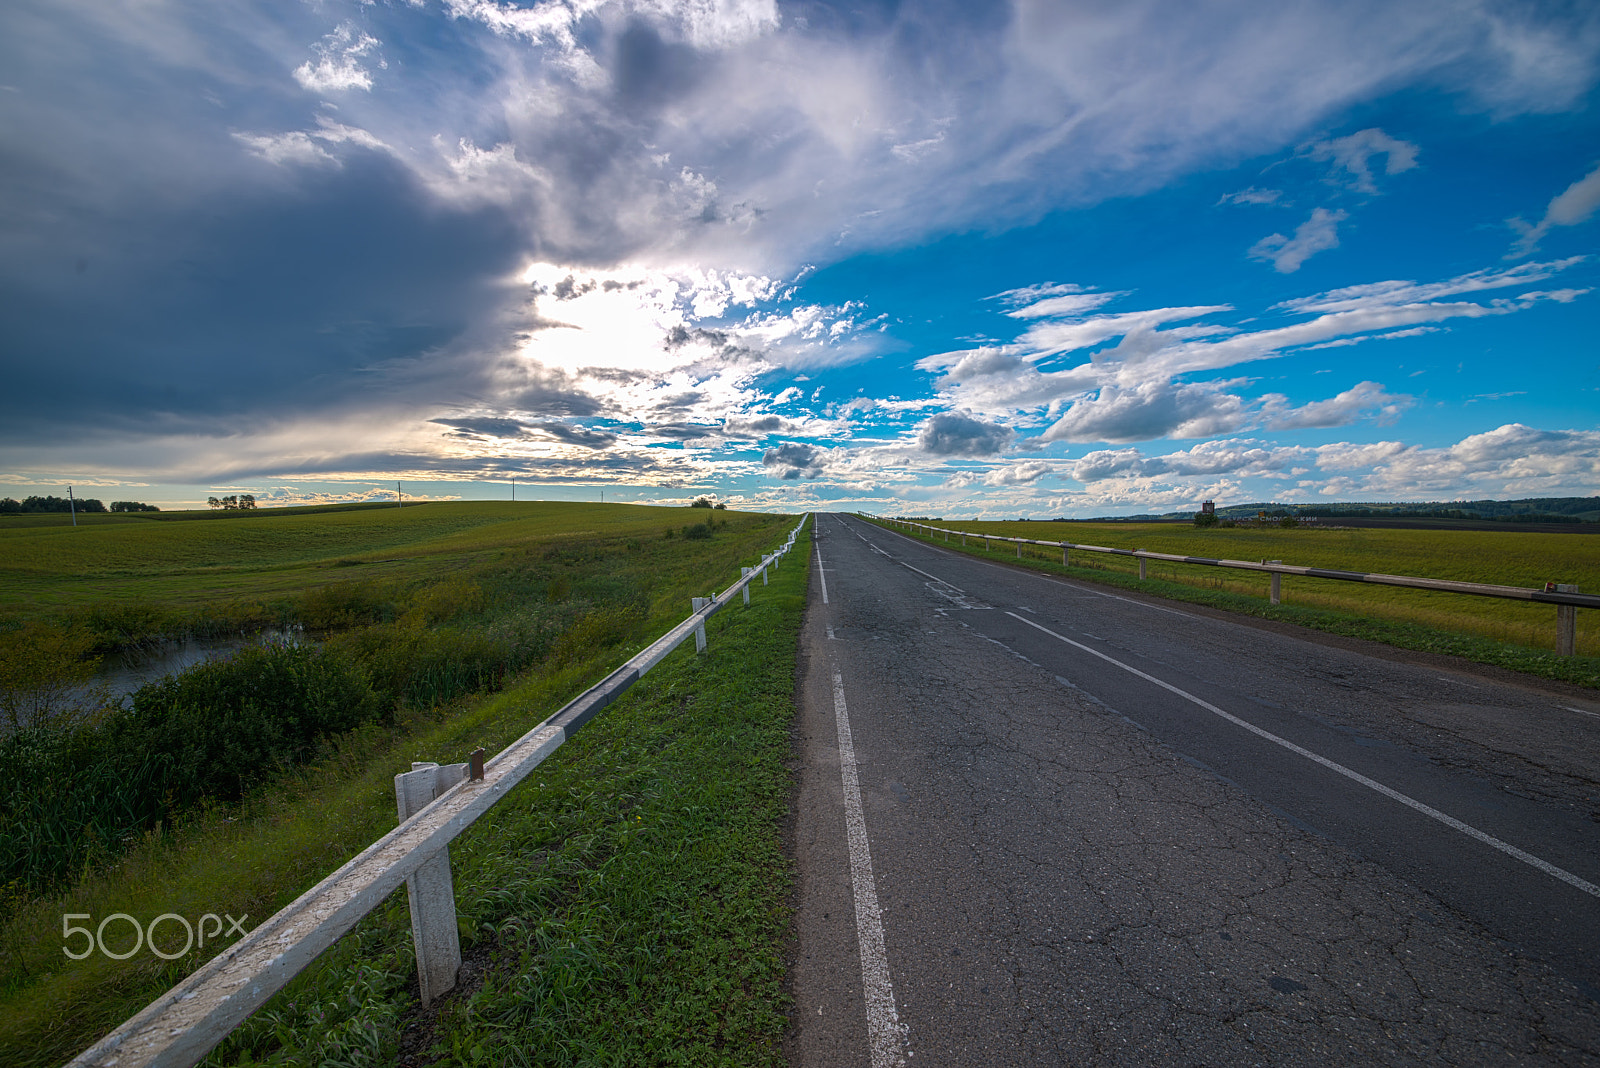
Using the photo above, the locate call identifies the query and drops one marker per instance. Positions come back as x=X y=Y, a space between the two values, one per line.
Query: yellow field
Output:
x=1509 y=558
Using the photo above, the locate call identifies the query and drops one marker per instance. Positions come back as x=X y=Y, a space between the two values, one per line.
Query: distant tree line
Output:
x=233 y=502
x=9 y=506
x=133 y=506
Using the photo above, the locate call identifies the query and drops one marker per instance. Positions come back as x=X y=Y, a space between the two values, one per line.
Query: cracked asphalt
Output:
x=1077 y=866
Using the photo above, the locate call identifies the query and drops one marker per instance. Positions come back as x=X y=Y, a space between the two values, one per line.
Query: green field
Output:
x=1509 y=558
x=627 y=901
x=185 y=566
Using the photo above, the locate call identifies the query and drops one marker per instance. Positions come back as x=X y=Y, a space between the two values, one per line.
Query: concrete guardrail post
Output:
x=431 y=891
x=743 y=571
x=1064 y=556
x=700 y=628
x=1566 y=623
x=1142 y=562
x=1277 y=584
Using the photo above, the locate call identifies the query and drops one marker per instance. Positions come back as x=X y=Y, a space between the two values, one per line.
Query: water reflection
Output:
x=123 y=672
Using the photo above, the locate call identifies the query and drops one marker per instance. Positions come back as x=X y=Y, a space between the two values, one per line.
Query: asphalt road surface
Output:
x=1043 y=823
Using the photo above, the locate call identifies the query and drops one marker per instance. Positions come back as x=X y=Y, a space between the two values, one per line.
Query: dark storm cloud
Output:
x=683 y=431
x=793 y=460
x=952 y=434
x=485 y=427
x=249 y=307
x=578 y=435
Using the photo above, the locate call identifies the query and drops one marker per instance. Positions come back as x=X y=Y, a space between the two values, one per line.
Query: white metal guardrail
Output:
x=1565 y=597
x=437 y=804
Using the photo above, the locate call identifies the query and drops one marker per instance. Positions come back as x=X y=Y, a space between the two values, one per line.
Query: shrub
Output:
x=75 y=794
x=697 y=532
x=342 y=604
x=1205 y=519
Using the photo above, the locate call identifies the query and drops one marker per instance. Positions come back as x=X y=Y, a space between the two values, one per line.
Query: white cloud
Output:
x=338 y=65
x=1018 y=474
x=1151 y=410
x=1574 y=205
x=1142 y=388
x=1252 y=196
x=1366 y=399
x=1395 y=293
x=1353 y=156
x=1317 y=234
x=1510 y=460
x=294 y=147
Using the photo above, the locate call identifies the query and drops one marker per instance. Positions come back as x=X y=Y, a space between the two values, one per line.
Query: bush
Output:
x=700 y=502
x=1205 y=519
x=73 y=795
x=343 y=604
x=697 y=532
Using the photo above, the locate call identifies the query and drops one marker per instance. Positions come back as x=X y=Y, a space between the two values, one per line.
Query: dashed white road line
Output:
x=1372 y=784
x=886 y=1035
x=822 y=574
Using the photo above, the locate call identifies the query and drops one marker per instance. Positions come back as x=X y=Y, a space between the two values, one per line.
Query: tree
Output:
x=213 y=502
x=247 y=501
x=701 y=502
x=134 y=506
x=722 y=506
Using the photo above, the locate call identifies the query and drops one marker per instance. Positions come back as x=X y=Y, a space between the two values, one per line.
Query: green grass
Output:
x=625 y=905
x=1513 y=634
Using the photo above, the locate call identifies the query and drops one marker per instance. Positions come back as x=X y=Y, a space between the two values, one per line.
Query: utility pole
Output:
x=72 y=506
x=398 y=501
x=513 y=488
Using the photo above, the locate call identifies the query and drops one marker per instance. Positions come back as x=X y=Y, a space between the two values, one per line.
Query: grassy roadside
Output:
x=623 y=906
x=1408 y=619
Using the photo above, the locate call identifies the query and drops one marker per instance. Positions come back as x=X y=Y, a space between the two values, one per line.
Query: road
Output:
x=1044 y=823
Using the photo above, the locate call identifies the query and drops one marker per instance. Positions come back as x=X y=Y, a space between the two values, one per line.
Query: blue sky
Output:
x=968 y=260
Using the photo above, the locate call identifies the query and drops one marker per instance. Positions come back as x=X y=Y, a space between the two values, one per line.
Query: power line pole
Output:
x=72 y=506
x=398 y=501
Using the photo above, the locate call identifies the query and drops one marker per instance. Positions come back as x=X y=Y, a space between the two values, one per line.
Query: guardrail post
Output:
x=963 y=539
x=700 y=630
x=743 y=571
x=1141 y=566
x=1064 y=556
x=431 y=891
x=1277 y=584
x=1566 y=623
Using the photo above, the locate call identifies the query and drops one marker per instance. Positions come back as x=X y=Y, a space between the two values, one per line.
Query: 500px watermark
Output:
x=146 y=935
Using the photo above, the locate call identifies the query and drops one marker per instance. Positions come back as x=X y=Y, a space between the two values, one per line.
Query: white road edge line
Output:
x=886 y=1035
x=822 y=575
x=1372 y=784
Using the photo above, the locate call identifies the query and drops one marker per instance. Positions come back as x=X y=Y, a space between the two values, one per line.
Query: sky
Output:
x=968 y=260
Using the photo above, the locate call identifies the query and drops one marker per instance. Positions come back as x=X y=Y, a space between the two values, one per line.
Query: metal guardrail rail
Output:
x=179 y=1028
x=1566 y=598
